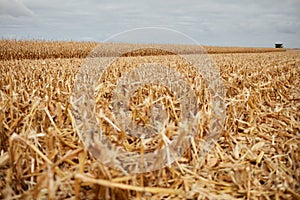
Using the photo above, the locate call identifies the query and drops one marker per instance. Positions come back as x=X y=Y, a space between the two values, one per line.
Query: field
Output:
x=256 y=156
x=19 y=49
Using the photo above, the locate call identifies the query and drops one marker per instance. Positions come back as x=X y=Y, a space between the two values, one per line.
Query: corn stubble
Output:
x=257 y=155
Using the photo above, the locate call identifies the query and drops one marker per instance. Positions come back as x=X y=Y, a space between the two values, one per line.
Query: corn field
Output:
x=256 y=156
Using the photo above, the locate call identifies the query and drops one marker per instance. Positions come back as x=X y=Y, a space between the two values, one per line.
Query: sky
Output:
x=220 y=22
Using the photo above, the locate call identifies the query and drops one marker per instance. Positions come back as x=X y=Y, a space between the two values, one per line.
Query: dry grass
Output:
x=257 y=155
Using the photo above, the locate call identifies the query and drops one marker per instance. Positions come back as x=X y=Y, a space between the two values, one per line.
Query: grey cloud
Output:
x=289 y=28
x=14 y=8
x=221 y=22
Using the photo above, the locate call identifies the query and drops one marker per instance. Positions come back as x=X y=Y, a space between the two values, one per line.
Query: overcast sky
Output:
x=220 y=22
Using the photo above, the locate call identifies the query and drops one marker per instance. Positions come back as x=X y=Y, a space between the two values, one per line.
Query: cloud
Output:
x=289 y=28
x=220 y=22
x=14 y=8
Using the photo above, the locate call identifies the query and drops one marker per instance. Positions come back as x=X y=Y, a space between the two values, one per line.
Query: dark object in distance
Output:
x=278 y=45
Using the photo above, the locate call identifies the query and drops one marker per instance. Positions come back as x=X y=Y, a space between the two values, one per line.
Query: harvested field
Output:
x=257 y=155
x=23 y=49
